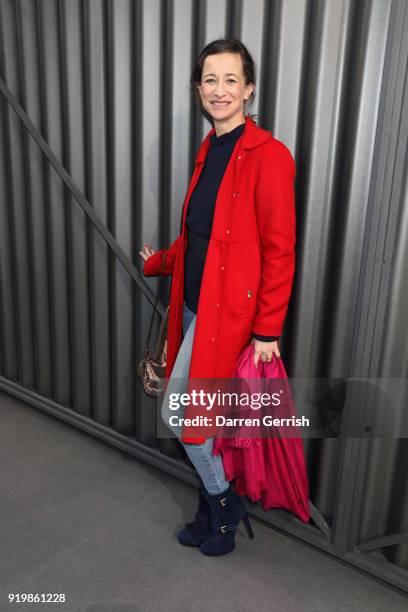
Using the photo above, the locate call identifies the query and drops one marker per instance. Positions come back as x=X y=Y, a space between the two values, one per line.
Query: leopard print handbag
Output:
x=152 y=367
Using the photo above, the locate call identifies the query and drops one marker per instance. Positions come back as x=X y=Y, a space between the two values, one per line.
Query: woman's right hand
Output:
x=147 y=251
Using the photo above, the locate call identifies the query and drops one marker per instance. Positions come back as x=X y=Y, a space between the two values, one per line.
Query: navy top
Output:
x=200 y=213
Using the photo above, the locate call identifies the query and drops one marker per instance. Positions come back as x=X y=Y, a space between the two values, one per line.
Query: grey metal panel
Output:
x=120 y=101
x=96 y=147
x=30 y=85
x=17 y=309
x=73 y=69
x=178 y=42
x=152 y=201
x=107 y=85
x=54 y=129
x=382 y=331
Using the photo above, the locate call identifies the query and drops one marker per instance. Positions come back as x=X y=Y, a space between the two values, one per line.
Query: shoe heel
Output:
x=248 y=527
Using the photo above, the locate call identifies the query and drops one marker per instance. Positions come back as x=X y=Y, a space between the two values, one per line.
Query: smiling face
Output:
x=223 y=90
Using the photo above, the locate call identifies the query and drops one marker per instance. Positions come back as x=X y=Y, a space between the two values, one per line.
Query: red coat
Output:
x=250 y=262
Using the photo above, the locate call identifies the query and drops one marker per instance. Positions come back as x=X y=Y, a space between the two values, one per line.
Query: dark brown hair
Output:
x=224 y=45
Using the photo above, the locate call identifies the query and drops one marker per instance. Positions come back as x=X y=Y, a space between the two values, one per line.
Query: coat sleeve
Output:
x=265 y=338
x=152 y=265
x=276 y=218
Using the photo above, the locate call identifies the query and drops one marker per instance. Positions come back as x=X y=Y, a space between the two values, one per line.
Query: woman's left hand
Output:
x=264 y=350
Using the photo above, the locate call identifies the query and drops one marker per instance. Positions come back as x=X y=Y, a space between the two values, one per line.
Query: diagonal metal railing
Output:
x=80 y=198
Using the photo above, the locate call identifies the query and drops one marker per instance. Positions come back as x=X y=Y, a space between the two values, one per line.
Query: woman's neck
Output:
x=222 y=127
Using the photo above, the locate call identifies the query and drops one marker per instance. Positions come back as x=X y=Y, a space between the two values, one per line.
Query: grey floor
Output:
x=81 y=518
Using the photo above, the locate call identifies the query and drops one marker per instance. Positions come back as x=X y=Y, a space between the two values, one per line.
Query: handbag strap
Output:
x=147 y=347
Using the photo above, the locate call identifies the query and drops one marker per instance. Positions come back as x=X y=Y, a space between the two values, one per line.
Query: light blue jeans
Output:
x=209 y=467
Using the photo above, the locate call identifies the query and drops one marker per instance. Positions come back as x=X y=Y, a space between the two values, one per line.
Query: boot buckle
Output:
x=223 y=528
x=223 y=501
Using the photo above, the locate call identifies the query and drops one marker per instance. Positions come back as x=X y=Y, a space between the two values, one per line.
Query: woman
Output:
x=232 y=267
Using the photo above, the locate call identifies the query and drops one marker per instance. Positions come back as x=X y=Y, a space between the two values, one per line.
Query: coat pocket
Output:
x=242 y=293
x=244 y=266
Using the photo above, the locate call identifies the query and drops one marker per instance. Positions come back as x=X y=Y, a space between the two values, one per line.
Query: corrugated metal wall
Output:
x=106 y=84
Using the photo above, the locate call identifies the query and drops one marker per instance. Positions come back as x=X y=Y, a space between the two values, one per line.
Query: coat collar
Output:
x=252 y=136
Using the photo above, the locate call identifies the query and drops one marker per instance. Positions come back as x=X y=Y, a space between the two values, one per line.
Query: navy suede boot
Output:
x=227 y=510
x=195 y=532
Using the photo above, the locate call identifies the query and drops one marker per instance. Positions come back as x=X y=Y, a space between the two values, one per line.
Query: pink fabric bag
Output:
x=272 y=469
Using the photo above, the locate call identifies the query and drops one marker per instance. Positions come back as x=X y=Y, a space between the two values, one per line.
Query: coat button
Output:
x=217 y=305
x=222 y=268
x=239 y=156
x=228 y=231
x=236 y=194
x=213 y=339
